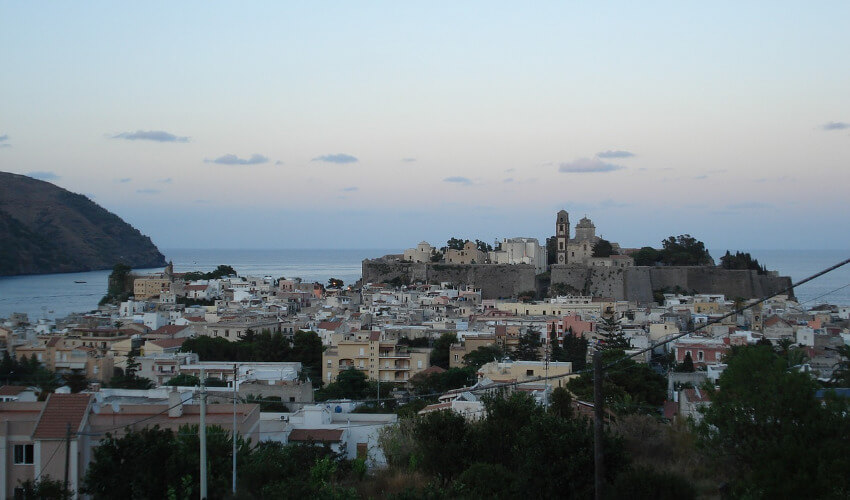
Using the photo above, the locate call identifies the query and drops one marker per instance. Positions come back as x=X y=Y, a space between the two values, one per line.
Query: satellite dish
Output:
x=116 y=407
x=338 y=409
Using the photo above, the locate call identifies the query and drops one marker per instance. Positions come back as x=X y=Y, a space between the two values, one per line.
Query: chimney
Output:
x=175 y=404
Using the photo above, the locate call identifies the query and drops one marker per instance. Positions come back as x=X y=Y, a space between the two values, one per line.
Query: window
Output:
x=529 y=373
x=456 y=357
x=362 y=450
x=23 y=454
x=329 y=363
x=291 y=399
x=700 y=355
x=361 y=351
x=419 y=364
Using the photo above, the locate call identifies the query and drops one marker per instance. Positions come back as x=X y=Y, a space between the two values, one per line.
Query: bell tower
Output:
x=562 y=236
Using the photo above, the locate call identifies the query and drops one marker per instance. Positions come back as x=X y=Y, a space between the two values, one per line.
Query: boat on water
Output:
x=75 y=281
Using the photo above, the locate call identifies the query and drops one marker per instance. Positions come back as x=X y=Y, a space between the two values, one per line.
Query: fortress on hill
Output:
x=521 y=265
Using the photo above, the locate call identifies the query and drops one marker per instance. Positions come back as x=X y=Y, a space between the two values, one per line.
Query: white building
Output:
x=422 y=253
x=521 y=251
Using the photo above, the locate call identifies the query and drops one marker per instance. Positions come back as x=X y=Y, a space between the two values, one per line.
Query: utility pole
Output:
x=202 y=430
x=67 y=455
x=598 y=400
x=233 y=432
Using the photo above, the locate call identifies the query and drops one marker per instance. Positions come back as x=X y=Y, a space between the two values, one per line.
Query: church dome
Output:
x=585 y=222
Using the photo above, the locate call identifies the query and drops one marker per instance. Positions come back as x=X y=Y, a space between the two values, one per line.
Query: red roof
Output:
x=168 y=343
x=59 y=411
x=194 y=319
x=432 y=369
x=12 y=390
x=329 y=325
x=323 y=435
x=196 y=287
x=695 y=396
x=170 y=330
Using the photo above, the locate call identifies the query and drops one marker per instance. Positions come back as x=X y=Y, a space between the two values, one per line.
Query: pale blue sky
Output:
x=379 y=124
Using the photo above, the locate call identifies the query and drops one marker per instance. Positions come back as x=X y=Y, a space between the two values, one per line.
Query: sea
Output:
x=58 y=295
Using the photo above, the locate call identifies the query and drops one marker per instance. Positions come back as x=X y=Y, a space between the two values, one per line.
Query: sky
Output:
x=381 y=124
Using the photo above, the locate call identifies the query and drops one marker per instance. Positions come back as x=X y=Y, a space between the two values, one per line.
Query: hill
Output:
x=47 y=229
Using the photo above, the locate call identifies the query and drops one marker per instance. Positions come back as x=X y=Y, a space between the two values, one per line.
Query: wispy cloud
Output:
x=150 y=135
x=230 y=159
x=336 y=158
x=278 y=162
x=43 y=175
x=458 y=180
x=4 y=141
x=147 y=191
x=408 y=160
x=350 y=189
x=509 y=179
x=167 y=180
x=615 y=154
x=701 y=177
x=124 y=180
x=587 y=165
x=835 y=126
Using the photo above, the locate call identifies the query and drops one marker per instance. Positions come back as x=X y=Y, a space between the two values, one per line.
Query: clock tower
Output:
x=562 y=236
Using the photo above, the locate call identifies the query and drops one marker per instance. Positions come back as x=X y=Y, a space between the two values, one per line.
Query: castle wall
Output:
x=494 y=280
x=638 y=283
x=632 y=283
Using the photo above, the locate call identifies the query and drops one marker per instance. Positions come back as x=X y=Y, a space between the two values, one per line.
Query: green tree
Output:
x=628 y=386
x=76 y=381
x=575 y=351
x=687 y=364
x=556 y=352
x=335 y=283
x=773 y=436
x=841 y=371
x=442 y=443
x=119 y=284
x=611 y=336
x=440 y=352
x=481 y=356
x=483 y=246
x=455 y=243
x=685 y=250
x=349 y=384
x=184 y=380
x=562 y=403
x=603 y=248
x=44 y=488
x=528 y=346
x=647 y=256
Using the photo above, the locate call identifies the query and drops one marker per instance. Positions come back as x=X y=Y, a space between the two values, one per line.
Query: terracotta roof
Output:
x=329 y=325
x=53 y=341
x=195 y=287
x=194 y=319
x=170 y=329
x=374 y=336
x=59 y=411
x=436 y=407
x=695 y=396
x=12 y=390
x=432 y=369
x=168 y=343
x=774 y=320
x=323 y=435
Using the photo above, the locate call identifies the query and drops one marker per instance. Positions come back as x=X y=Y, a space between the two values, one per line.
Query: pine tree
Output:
x=528 y=348
x=575 y=351
x=687 y=364
x=611 y=335
x=556 y=352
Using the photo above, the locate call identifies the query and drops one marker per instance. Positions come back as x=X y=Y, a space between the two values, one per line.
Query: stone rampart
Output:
x=638 y=283
x=632 y=283
x=494 y=280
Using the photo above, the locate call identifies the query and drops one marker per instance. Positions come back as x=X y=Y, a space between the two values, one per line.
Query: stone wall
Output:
x=632 y=283
x=638 y=283
x=494 y=280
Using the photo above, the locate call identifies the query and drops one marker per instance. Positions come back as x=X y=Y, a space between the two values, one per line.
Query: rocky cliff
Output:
x=47 y=229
